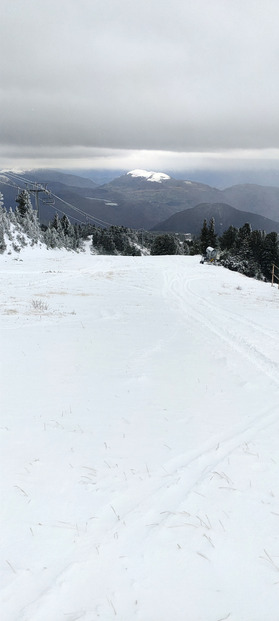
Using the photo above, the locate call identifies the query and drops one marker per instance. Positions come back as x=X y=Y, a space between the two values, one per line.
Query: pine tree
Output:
x=195 y=247
x=67 y=227
x=270 y=254
x=257 y=245
x=212 y=237
x=243 y=235
x=54 y=235
x=3 y=225
x=56 y=224
x=106 y=242
x=204 y=237
x=31 y=226
x=23 y=203
x=52 y=238
x=227 y=240
x=26 y=219
x=164 y=244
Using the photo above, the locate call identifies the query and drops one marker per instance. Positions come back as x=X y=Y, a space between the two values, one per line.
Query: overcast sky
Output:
x=129 y=83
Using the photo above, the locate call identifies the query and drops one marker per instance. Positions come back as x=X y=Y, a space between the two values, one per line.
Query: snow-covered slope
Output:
x=139 y=431
x=156 y=177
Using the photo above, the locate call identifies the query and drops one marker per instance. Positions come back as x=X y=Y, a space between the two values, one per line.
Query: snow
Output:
x=4 y=178
x=156 y=177
x=139 y=440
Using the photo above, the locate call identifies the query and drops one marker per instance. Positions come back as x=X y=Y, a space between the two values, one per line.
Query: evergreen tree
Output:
x=67 y=227
x=106 y=242
x=4 y=225
x=164 y=244
x=26 y=219
x=3 y=244
x=56 y=224
x=204 y=237
x=119 y=237
x=257 y=245
x=227 y=240
x=270 y=254
x=196 y=247
x=243 y=242
x=31 y=226
x=77 y=242
x=212 y=237
x=23 y=203
x=243 y=235
x=52 y=238
x=12 y=217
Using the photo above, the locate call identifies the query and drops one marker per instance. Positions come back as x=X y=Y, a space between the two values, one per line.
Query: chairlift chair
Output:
x=49 y=200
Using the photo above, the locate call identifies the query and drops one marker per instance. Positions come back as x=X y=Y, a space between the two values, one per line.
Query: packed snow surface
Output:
x=156 y=177
x=139 y=429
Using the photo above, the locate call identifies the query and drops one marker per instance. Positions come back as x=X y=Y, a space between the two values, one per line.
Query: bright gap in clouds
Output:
x=79 y=158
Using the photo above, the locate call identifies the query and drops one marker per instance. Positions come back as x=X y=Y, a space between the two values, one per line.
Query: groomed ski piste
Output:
x=139 y=440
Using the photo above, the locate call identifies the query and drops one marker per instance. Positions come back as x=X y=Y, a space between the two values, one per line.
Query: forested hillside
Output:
x=252 y=252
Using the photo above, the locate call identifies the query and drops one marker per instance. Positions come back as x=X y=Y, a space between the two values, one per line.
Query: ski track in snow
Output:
x=219 y=323
x=159 y=544
x=209 y=316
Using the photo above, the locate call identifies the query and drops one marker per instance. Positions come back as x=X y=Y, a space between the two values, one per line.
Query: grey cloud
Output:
x=152 y=75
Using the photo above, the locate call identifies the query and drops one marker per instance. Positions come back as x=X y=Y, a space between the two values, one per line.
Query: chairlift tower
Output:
x=35 y=189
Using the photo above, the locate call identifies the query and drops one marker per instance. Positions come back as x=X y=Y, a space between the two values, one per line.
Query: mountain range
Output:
x=148 y=200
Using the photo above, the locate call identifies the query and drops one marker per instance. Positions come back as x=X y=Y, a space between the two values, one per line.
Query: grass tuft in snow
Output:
x=39 y=305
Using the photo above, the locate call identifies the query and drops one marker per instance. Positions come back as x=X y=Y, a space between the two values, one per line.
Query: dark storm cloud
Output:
x=148 y=74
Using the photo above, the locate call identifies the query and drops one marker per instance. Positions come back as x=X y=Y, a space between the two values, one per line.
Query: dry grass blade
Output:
x=268 y=558
x=10 y=565
x=203 y=556
x=112 y=605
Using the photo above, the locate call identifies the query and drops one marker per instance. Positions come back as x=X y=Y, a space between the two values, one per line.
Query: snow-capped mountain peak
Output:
x=157 y=177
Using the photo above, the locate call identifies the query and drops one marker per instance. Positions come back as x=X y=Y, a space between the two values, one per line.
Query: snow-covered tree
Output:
x=23 y=203
x=165 y=244
x=4 y=225
x=27 y=219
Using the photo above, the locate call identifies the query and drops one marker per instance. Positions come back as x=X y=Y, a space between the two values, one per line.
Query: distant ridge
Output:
x=146 y=199
x=191 y=220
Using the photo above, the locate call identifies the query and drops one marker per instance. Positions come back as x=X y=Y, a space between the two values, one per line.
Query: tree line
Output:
x=240 y=249
x=21 y=227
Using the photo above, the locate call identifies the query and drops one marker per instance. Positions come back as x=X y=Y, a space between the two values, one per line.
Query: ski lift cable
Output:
x=63 y=213
x=21 y=178
x=84 y=213
x=8 y=173
x=11 y=185
x=38 y=186
x=18 y=178
x=80 y=211
x=24 y=180
x=13 y=176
